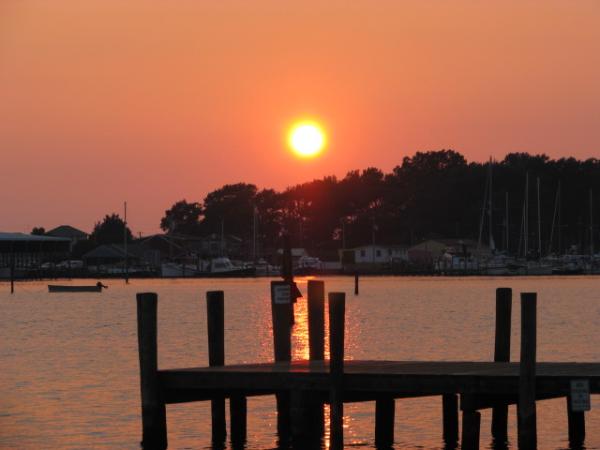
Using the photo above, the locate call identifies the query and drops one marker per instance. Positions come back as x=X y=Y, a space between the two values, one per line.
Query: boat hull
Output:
x=59 y=288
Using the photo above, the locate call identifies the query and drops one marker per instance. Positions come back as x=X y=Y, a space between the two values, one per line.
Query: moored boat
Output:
x=68 y=288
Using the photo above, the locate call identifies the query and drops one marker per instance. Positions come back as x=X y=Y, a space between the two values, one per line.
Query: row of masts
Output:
x=524 y=248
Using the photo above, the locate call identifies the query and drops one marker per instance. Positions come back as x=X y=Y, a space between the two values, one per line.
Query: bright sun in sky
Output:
x=307 y=139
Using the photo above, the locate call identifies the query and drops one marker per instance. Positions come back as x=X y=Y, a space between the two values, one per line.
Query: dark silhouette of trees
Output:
x=38 y=231
x=231 y=208
x=182 y=218
x=430 y=194
x=110 y=230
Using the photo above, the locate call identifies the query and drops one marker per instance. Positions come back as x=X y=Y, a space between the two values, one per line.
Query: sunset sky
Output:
x=151 y=102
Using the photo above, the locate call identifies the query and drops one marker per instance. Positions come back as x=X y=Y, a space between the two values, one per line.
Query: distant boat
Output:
x=62 y=288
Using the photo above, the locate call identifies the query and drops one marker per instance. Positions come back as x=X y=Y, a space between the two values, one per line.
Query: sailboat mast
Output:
x=506 y=232
x=526 y=226
x=591 y=224
x=539 y=217
x=125 y=242
x=551 y=240
x=560 y=249
x=490 y=231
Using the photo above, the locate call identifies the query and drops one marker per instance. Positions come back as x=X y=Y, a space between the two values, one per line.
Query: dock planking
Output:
x=395 y=377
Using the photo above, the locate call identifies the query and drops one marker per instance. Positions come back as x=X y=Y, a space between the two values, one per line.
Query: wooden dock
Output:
x=303 y=387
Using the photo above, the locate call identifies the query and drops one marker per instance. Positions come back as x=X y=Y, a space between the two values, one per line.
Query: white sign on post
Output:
x=580 y=395
x=281 y=294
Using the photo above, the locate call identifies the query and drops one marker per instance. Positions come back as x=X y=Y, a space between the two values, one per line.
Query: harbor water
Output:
x=70 y=375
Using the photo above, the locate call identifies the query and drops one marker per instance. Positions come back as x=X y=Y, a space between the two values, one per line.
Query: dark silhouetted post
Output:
x=215 y=314
x=12 y=269
x=154 y=417
x=385 y=410
x=450 y=418
x=527 y=428
x=576 y=421
x=316 y=338
x=281 y=307
x=502 y=354
x=238 y=410
x=287 y=272
x=356 y=283
x=470 y=433
x=316 y=319
x=337 y=308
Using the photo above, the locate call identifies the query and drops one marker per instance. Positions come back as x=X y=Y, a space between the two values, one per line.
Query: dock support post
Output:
x=281 y=311
x=450 y=418
x=470 y=431
x=576 y=421
x=215 y=313
x=527 y=428
x=316 y=339
x=502 y=354
x=307 y=412
x=337 y=310
x=385 y=410
x=356 y=283
x=238 y=420
x=154 y=416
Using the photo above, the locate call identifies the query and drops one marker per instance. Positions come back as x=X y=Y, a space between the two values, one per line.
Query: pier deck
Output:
x=395 y=377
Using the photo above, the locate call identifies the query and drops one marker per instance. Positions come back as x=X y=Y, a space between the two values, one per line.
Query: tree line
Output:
x=435 y=194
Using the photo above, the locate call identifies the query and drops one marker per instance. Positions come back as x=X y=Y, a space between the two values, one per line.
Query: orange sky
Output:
x=152 y=102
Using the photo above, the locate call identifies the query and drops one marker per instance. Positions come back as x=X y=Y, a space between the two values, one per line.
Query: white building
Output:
x=379 y=254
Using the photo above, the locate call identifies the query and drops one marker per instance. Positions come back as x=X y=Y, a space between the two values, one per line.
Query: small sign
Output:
x=580 y=395
x=281 y=294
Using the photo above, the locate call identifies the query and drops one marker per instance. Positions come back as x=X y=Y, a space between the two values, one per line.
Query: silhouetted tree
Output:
x=183 y=218
x=110 y=230
x=231 y=206
x=38 y=231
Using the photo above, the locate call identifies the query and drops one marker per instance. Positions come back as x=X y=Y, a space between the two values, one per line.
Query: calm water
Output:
x=70 y=373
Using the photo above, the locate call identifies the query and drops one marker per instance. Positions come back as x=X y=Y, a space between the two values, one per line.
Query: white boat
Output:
x=177 y=270
x=223 y=267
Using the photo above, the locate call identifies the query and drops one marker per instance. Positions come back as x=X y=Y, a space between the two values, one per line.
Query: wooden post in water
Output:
x=450 y=419
x=316 y=319
x=385 y=411
x=356 y=283
x=502 y=354
x=316 y=339
x=287 y=272
x=281 y=307
x=215 y=314
x=238 y=412
x=307 y=414
x=154 y=417
x=12 y=269
x=337 y=309
x=470 y=431
x=527 y=428
x=576 y=422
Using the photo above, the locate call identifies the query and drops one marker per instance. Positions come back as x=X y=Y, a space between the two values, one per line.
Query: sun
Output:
x=307 y=138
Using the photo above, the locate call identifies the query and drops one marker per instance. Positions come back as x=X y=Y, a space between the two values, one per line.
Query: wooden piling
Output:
x=385 y=410
x=470 y=432
x=281 y=307
x=337 y=309
x=154 y=417
x=502 y=354
x=356 y=283
x=527 y=427
x=316 y=319
x=215 y=313
x=316 y=339
x=238 y=411
x=450 y=418
x=576 y=423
